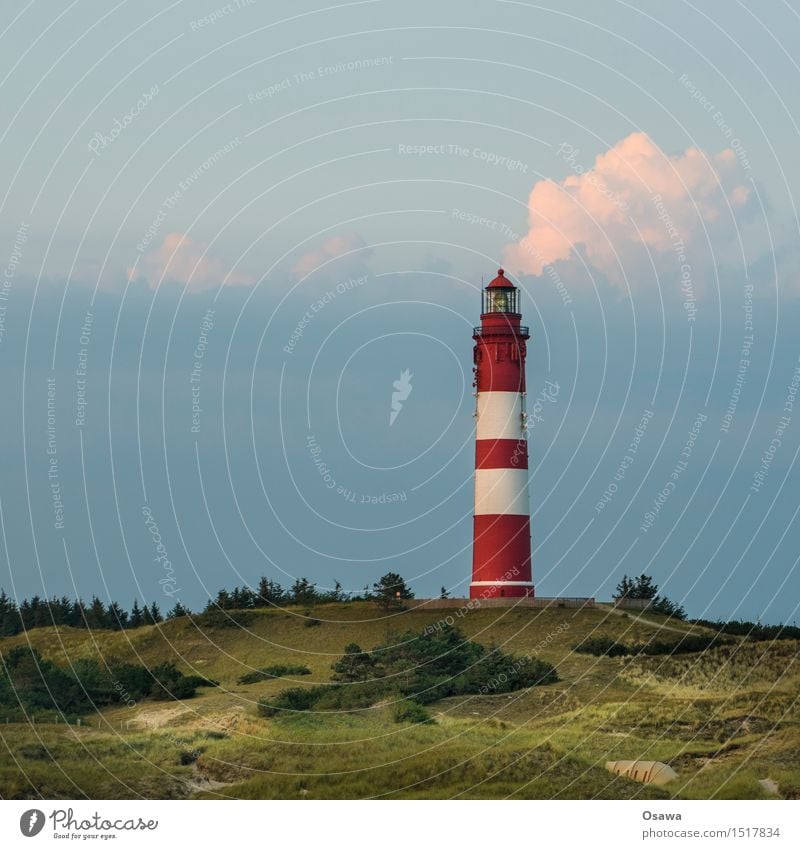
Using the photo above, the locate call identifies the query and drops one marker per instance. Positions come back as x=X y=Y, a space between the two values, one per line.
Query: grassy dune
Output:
x=724 y=718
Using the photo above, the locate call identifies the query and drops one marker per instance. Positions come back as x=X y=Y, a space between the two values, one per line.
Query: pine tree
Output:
x=224 y=601
x=268 y=593
x=136 y=618
x=96 y=614
x=644 y=587
x=624 y=588
x=77 y=614
x=177 y=611
x=355 y=665
x=60 y=610
x=9 y=616
x=390 y=591
x=304 y=592
x=39 y=613
x=116 y=617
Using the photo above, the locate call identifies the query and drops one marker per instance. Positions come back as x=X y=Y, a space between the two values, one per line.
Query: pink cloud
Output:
x=596 y=212
x=349 y=246
x=182 y=260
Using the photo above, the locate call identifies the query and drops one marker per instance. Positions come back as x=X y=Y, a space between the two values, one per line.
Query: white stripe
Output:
x=501 y=491
x=504 y=583
x=499 y=415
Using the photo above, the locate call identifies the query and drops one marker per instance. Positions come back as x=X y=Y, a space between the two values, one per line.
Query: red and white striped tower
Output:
x=501 y=548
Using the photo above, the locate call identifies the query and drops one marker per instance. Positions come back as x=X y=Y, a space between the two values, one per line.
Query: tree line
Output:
x=38 y=612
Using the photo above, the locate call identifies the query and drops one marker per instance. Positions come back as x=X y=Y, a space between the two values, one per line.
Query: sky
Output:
x=229 y=229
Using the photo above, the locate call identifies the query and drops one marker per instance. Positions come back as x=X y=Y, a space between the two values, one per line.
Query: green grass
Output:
x=724 y=718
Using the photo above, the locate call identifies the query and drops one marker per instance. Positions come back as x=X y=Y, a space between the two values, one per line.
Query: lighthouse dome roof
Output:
x=500 y=282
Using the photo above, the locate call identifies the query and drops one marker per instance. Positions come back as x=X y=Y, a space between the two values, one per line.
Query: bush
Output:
x=355 y=665
x=278 y=670
x=600 y=646
x=409 y=711
x=421 y=667
x=351 y=696
x=170 y=683
x=687 y=644
x=291 y=700
x=201 y=681
x=29 y=681
x=134 y=680
x=753 y=630
x=223 y=618
x=497 y=672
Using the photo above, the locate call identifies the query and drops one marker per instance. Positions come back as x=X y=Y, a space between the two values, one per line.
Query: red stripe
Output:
x=500 y=362
x=504 y=376
x=501 y=454
x=501 y=548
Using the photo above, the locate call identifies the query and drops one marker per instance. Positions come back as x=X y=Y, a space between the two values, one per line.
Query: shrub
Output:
x=753 y=630
x=222 y=618
x=422 y=667
x=687 y=644
x=355 y=665
x=201 y=681
x=278 y=670
x=410 y=711
x=29 y=681
x=600 y=646
x=133 y=679
x=291 y=700
x=351 y=696
x=497 y=672
x=170 y=683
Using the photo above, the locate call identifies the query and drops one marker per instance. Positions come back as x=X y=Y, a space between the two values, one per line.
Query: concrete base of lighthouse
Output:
x=501 y=589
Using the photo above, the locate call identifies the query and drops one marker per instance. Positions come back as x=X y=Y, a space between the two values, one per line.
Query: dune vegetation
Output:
x=724 y=715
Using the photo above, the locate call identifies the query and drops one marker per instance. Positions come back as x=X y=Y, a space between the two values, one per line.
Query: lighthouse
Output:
x=501 y=546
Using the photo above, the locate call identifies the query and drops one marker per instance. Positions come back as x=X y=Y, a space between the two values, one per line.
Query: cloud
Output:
x=348 y=246
x=182 y=260
x=634 y=197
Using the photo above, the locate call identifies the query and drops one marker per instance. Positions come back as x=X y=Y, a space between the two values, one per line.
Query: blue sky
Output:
x=313 y=196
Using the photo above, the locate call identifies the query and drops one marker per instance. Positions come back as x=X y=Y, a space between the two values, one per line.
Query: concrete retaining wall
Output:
x=476 y=603
x=633 y=603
